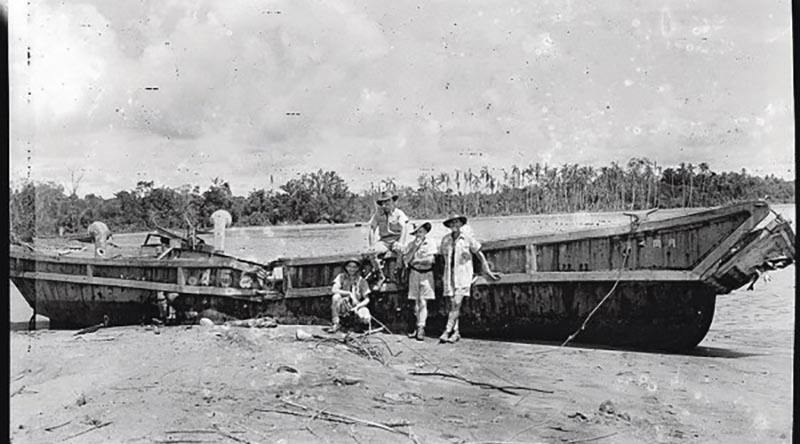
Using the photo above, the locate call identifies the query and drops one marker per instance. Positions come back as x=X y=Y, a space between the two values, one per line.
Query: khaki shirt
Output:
x=390 y=226
x=424 y=256
x=457 y=255
x=358 y=286
x=99 y=231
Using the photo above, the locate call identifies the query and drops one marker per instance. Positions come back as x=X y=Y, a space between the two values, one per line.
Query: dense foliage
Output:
x=44 y=209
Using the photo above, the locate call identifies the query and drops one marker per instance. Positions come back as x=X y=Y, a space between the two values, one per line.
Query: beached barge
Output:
x=663 y=276
x=77 y=292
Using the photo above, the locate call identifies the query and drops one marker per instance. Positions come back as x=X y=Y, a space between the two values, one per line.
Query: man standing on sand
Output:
x=350 y=295
x=419 y=256
x=457 y=248
x=390 y=225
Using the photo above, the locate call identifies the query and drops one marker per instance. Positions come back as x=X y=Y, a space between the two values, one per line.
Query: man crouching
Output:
x=350 y=296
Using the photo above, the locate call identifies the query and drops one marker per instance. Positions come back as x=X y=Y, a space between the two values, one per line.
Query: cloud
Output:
x=184 y=91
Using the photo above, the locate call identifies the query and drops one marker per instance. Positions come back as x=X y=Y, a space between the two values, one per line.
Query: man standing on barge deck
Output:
x=101 y=236
x=457 y=248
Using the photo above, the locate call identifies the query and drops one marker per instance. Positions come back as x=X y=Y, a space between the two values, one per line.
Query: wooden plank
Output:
x=709 y=264
x=215 y=261
x=530 y=258
x=758 y=210
x=236 y=293
x=309 y=292
x=318 y=260
x=593 y=276
x=181 y=276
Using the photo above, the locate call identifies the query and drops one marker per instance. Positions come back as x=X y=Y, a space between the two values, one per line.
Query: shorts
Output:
x=420 y=285
x=459 y=294
x=363 y=315
x=383 y=247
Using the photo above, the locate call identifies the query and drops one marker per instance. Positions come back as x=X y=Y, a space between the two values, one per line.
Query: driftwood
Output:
x=265 y=322
x=356 y=344
x=91 y=329
x=595 y=438
x=229 y=436
x=505 y=388
x=173 y=432
x=94 y=328
x=51 y=428
x=94 y=427
x=343 y=419
x=181 y=441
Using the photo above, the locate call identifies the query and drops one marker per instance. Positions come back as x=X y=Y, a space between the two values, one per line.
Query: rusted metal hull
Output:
x=77 y=292
x=70 y=305
x=652 y=315
x=662 y=278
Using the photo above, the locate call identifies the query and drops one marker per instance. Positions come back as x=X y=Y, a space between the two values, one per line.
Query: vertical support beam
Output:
x=89 y=270
x=530 y=258
x=181 y=279
x=287 y=278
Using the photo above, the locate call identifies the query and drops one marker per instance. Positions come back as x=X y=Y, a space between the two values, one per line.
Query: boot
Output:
x=444 y=337
x=454 y=337
x=420 y=334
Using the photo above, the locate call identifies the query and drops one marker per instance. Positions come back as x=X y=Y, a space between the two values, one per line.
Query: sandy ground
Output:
x=212 y=384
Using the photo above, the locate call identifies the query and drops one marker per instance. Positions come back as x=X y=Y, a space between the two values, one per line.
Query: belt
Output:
x=420 y=270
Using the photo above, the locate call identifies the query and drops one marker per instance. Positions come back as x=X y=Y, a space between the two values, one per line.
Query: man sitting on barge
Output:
x=390 y=224
x=350 y=295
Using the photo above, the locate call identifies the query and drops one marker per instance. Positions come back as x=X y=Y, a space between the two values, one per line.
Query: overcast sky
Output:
x=182 y=91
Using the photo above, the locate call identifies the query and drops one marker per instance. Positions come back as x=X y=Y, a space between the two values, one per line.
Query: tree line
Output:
x=46 y=210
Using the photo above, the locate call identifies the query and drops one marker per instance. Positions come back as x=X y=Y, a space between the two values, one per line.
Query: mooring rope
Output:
x=610 y=292
x=625 y=256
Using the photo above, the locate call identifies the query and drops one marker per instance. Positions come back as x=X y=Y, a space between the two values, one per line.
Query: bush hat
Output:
x=453 y=218
x=353 y=260
x=386 y=196
x=425 y=225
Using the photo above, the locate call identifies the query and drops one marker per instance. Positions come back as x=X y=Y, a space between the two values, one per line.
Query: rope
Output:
x=625 y=256
x=610 y=292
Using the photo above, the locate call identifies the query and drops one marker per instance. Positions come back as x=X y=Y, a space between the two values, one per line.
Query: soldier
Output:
x=457 y=248
x=350 y=295
x=391 y=226
x=101 y=236
x=419 y=256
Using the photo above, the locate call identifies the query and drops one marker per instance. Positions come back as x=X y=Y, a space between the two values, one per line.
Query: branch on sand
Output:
x=356 y=344
x=343 y=419
x=509 y=389
x=594 y=438
x=95 y=427
x=94 y=328
x=182 y=441
x=229 y=436
x=51 y=428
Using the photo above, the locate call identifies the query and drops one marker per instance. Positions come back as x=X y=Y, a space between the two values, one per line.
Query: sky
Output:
x=114 y=92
